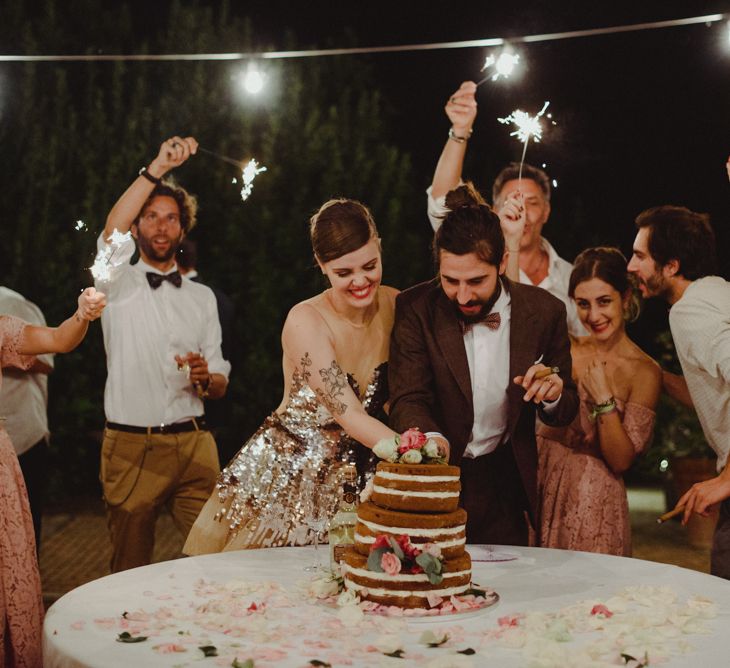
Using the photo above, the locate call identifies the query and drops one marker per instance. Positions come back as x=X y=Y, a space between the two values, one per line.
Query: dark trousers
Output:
x=720 y=557
x=33 y=464
x=494 y=498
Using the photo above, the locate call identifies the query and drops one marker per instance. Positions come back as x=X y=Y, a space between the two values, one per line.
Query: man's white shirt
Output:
x=143 y=331
x=700 y=324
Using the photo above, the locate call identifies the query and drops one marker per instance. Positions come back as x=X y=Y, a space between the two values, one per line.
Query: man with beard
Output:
x=674 y=259
x=538 y=262
x=163 y=347
x=465 y=351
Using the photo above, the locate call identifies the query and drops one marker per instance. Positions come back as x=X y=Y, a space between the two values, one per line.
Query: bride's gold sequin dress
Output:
x=256 y=502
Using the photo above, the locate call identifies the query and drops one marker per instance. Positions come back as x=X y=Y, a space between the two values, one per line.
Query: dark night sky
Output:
x=642 y=117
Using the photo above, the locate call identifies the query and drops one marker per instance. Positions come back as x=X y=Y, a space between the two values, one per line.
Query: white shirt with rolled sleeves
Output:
x=143 y=331
x=24 y=394
x=556 y=282
x=700 y=324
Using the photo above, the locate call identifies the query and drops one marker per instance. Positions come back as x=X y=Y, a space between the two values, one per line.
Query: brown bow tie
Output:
x=492 y=320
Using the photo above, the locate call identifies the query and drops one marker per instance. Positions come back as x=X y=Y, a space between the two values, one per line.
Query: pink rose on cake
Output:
x=390 y=563
x=411 y=447
x=411 y=439
x=398 y=555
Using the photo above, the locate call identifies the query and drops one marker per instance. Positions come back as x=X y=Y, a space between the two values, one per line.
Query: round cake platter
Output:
x=410 y=615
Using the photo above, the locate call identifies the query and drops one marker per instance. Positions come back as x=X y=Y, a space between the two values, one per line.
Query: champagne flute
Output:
x=316 y=499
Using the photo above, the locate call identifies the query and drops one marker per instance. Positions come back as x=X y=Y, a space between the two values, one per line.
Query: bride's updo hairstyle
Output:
x=341 y=226
x=469 y=226
x=609 y=265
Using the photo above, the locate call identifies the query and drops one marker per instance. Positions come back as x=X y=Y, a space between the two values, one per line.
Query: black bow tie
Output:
x=155 y=280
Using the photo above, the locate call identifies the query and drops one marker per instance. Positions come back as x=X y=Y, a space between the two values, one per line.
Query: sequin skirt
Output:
x=258 y=499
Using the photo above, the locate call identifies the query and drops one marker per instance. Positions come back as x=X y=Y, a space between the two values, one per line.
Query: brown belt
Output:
x=196 y=424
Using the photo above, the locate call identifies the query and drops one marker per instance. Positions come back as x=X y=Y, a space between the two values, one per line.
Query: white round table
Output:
x=186 y=604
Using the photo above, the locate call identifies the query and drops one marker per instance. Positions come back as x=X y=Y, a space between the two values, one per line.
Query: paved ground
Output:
x=75 y=546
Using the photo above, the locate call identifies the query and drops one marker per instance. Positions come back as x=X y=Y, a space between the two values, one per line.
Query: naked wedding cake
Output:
x=410 y=537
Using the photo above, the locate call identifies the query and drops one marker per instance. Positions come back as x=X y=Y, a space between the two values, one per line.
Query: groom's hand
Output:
x=537 y=390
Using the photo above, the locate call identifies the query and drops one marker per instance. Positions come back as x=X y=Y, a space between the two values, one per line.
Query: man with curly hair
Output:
x=163 y=348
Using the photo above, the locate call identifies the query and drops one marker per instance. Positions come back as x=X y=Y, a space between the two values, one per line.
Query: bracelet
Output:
x=152 y=179
x=458 y=138
x=608 y=406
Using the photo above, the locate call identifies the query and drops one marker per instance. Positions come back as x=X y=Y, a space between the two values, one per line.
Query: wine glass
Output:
x=317 y=498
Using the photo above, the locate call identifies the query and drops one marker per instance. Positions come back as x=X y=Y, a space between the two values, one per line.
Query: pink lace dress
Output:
x=583 y=503
x=21 y=606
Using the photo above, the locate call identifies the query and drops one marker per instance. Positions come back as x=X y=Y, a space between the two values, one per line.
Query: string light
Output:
x=253 y=80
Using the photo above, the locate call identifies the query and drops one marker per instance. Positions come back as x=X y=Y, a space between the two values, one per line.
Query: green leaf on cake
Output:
x=209 y=650
x=248 y=663
x=474 y=591
x=127 y=637
x=431 y=567
x=317 y=662
x=396 y=548
x=374 y=559
x=468 y=651
x=398 y=654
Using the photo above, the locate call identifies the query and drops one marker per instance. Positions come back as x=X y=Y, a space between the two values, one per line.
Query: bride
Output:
x=335 y=349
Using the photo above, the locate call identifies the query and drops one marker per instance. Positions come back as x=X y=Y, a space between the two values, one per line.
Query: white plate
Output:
x=487 y=553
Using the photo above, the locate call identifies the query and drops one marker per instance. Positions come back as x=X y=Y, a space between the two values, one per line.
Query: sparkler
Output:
x=248 y=172
x=527 y=126
x=103 y=265
x=248 y=175
x=503 y=65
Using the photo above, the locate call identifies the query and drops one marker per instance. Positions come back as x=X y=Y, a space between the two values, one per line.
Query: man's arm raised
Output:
x=461 y=110
x=173 y=153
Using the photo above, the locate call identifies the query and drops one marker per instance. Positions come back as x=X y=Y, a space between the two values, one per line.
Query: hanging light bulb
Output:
x=253 y=80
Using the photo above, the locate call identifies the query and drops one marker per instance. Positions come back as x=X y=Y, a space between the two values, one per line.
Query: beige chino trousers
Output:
x=140 y=474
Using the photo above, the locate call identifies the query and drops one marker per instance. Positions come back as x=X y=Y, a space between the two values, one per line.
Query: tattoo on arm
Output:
x=306 y=362
x=335 y=383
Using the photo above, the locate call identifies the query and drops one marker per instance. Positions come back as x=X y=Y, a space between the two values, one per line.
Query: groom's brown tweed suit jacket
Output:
x=430 y=385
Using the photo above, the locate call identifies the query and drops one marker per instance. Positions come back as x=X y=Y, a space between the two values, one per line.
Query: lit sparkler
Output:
x=503 y=66
x=526 y=126
x=103 y=265
x=250 y=171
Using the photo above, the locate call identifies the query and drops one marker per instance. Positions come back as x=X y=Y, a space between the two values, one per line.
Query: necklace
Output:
x=357 y=325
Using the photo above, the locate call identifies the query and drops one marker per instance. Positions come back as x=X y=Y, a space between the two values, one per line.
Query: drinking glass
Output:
x=317 y=498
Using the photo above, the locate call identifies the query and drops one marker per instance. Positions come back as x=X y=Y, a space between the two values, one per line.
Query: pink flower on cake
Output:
x=380 y=541
x=409 y=549
x=390 y=563
x=432 y=549
x=411 y=439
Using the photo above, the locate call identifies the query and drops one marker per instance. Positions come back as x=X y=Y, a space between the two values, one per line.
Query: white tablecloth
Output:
x=164 y=602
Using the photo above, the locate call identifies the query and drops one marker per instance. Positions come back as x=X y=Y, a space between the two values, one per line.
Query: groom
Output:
x=464 y=353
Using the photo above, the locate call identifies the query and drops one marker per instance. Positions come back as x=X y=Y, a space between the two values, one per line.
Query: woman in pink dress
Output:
x=583 y=499
x=21 y=607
